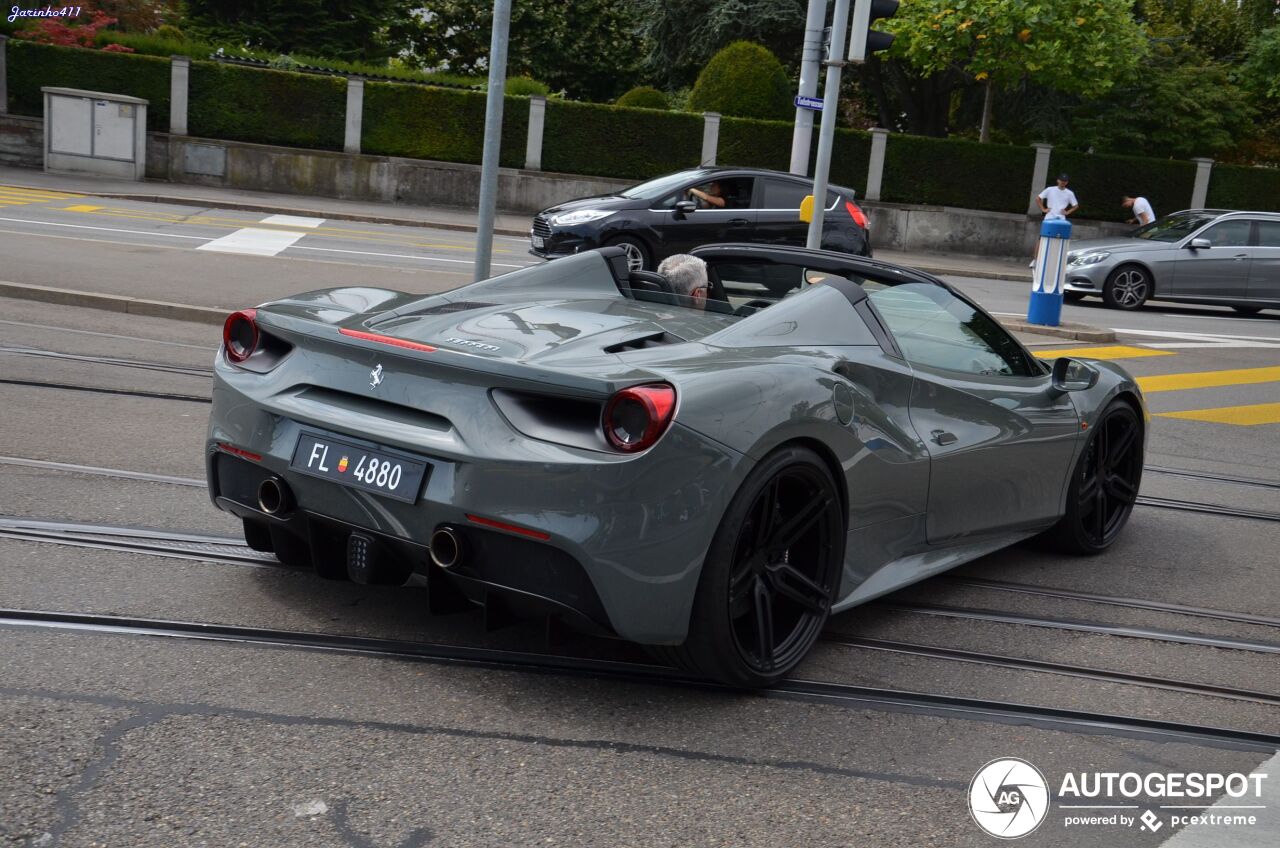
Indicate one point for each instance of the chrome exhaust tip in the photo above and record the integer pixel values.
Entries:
(273, 496)
(446, 547)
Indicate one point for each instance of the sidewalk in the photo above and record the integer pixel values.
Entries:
(445, 218)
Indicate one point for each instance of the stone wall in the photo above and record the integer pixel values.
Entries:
(21, 141)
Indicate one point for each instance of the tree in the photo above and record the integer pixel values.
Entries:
(588, 48)
(1079, 46)
(680, 36)
(744, 80)
(1180, 104)
(341, 29)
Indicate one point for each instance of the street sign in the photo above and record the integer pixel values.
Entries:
(814, 103)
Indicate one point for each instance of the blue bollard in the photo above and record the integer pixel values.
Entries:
(1050, 273)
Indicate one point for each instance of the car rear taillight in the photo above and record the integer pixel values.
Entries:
(636, 417)
(240, 335)
(856, 214)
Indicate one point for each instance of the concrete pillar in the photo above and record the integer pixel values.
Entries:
(179, 86)
(875, 165)
(537, 120)
(1039, 176)
(355, 114)
(4, 86)
(710, 137)
(1200, 192)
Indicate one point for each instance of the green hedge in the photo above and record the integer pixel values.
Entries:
(267, 107)
(951, 172)
(752, 143)
(607, 141)
(1239, 187)
(1100, 181)
(850, 155)
(445, 124)
(32, 65)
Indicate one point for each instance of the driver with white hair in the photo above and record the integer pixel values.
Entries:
(687, 276)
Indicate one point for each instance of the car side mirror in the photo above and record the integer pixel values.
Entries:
(1073, 375)
(1199, 244)
(684, 207)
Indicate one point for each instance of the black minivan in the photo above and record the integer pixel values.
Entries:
(678, 212)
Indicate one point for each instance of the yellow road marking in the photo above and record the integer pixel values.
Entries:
(37, 192)
(1262, 413)
(82, 208)
(222, 223)
(1112, 352)
(1208, 379)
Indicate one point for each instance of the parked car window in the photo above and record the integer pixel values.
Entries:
(935, 328)
(784, 194)
(1173, 228)
(1228, 234)
(1269, 233)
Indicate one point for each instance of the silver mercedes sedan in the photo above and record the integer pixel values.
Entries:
(1194, 256)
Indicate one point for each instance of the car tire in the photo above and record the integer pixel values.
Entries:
(1127, 287)
(638, 256)
(1247, 310)
(1104, 484)
(1073, 297)
(760, 607)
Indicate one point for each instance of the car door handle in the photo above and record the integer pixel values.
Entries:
(738, 222)
(942, 437)
(1240, 256)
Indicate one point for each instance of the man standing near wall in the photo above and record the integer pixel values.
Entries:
(1057, 202)
(1142, 211)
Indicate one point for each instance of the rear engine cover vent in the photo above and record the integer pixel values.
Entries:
(456, 306)
(643, 342)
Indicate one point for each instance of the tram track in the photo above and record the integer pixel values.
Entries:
(122, 362)
(834, 694)
(231, 550)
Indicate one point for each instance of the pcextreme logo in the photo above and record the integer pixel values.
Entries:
(1009, 798)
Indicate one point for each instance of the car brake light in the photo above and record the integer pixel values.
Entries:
(240, 334)
(856, 214)
(637, 416)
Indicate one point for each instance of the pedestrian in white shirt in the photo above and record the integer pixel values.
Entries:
(1142, 211)
(1056, 202)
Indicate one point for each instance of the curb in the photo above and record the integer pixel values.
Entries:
(309, 213)
(115, 303)
(1066, 330)
(1004, 276)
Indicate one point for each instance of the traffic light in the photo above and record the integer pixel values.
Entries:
(863, 39)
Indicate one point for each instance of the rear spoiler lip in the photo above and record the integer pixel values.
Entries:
(562, 379)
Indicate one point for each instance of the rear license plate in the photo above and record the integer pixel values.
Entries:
(383, 472)
(538, 242)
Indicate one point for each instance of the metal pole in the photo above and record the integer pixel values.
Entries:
(810, 68)
(830, 99)
(492, 136)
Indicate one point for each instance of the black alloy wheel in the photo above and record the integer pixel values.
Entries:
(771, 574)
(1128, 287)
(1104, 486)
(637, 253)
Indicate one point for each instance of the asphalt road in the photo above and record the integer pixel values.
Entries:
(115, 739)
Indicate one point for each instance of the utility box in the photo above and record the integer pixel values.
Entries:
(90, 132)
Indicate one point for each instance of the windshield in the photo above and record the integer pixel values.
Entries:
(661, 186)
(1173, 227)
